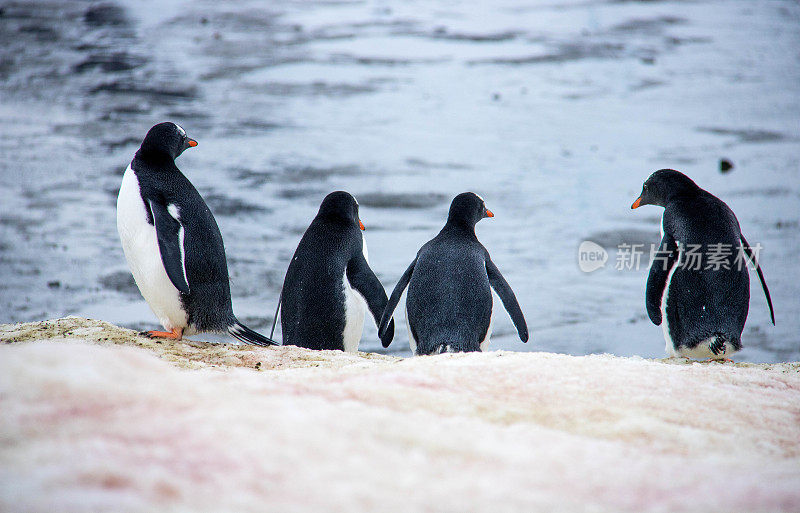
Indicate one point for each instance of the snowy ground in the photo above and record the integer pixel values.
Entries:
(97, 419)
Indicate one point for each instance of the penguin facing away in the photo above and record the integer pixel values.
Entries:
(449, 300)
(329, 284)
(172, 244)
(702, 308)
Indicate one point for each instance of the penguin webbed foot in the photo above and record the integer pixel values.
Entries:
(175, 334)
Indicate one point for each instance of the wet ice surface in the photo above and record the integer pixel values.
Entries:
(555, 112)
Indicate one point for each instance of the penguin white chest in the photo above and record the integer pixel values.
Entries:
(355, 307)
(140, 245)
(669, 344)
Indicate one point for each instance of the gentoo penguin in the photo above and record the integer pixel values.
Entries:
(329, 283)
(449, 302)
(699, 285)
(172, 243)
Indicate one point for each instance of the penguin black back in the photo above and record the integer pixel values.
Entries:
(449, 300)
(329, 283)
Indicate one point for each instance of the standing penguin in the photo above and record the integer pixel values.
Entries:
(449, 302)
(329, 284)
(172, 243)
(703, 305)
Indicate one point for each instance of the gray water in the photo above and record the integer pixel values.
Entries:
(555, 112)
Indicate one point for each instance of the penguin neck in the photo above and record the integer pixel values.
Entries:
(155, 159)
(683, 195)
(460, 226)
(334, 219)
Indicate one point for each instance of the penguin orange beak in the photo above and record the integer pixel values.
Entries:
(489, 213)
(636, 203)
(192, 143)
(361, 225)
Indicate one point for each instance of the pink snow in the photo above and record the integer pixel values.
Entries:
(88, 427)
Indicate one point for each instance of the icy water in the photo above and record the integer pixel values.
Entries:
(555, 112)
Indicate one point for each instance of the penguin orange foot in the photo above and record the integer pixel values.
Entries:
(175, 334)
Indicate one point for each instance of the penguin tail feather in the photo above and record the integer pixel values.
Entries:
(244, 334)
(717, 346)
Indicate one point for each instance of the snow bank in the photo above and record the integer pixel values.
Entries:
(97, 419)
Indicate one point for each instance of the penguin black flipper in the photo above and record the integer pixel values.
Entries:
(383, 332)
(507, 296)
(170, 239)
(752, 258)
(657, 279)
(361, 278)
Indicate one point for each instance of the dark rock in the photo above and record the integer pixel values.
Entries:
(223, 205)
(401, 200)
(120, 281)
(105, 15)
(725, 165)
(119, 61)
(747, 135)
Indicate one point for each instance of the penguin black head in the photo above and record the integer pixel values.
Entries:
(340, 205)
(467, 209)
(663, 186)
(166, 139)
